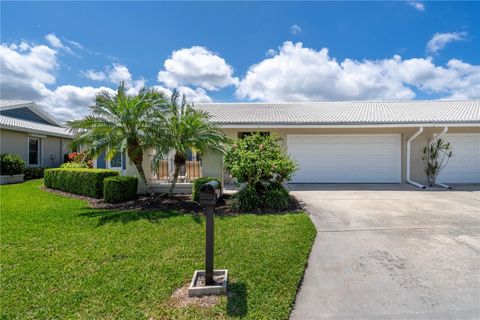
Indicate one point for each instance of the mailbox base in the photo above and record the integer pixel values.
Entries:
(196, 289)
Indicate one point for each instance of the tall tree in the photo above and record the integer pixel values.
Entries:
(120, 122)
(185, 129)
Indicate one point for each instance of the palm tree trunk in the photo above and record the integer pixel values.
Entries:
(136, 156)
(175, 178)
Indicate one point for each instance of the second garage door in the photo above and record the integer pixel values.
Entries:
(464, 166)
(346, 158)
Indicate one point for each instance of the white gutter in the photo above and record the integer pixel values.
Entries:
(420, 130)
(436, 136)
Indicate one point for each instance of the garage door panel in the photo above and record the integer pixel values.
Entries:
(464, 166)
(346, 158)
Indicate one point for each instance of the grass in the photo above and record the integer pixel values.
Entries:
(63, 260)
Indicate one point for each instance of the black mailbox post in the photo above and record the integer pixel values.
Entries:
(209, 194)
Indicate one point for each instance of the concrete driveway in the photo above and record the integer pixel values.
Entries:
(391, 252)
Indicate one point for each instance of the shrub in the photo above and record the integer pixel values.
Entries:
(80, 158)
(11, 164)
(435, 157)
(88, 182)
(74, 165)
(259, 161)
(276, 198)
(258, 158)
(261, 198)
(33, 173)
(120, 189)
(247, 199)
(197, 183)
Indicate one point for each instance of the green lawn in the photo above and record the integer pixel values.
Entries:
(60, 259)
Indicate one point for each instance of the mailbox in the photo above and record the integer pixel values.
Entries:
(209, 193)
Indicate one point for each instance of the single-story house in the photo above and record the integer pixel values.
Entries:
(27, 130)
(344, 142)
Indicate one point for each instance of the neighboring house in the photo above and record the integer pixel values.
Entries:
(27, 130)
(351, 142)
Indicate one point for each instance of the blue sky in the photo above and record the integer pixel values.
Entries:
(60, 54)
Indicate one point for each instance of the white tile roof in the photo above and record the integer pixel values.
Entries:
(346, 112)
(9, 103)
(34, 127)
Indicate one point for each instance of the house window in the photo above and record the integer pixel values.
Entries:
(33, 151)
(116, 161)
(242, 135)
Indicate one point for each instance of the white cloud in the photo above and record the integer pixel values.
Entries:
(440, 40)
(115, 74)
(295, 29)
(192, 95)
(196, 66)
(417, 5)
(271, 52)
(55, 42)
(70, 102)
(304, 74)
(95, 75)
(119, 73)
(28, 71)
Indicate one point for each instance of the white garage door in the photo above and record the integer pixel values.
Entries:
(346, 158)
(464, 166)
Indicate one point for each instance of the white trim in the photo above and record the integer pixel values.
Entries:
(39, 151)
(37, 136)
(342, 126)
(50, 133)
(409, 141)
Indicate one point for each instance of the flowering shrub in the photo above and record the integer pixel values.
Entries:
(260, 163)
(80, 157)
(258, 158)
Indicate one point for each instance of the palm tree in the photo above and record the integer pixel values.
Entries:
(120, 122)
(185, 129)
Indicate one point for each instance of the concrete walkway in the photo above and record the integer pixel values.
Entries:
(391, 252)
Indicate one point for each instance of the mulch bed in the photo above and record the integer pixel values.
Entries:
(177, 202)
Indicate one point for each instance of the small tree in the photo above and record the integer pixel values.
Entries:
(435, 158)
(184, 129)
(260, 162)
(120, 122)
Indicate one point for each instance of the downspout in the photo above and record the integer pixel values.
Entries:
(420, 130)
(436, 136)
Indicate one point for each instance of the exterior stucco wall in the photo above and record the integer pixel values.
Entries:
(17, 142)
(212, 165)
(416, 165)
(14, 142)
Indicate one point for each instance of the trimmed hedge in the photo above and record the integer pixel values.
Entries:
(34, 173)
(87, 182)
(197, 183)
(120, 189)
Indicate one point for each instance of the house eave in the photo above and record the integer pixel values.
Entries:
(271, 125)
(34, 131)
